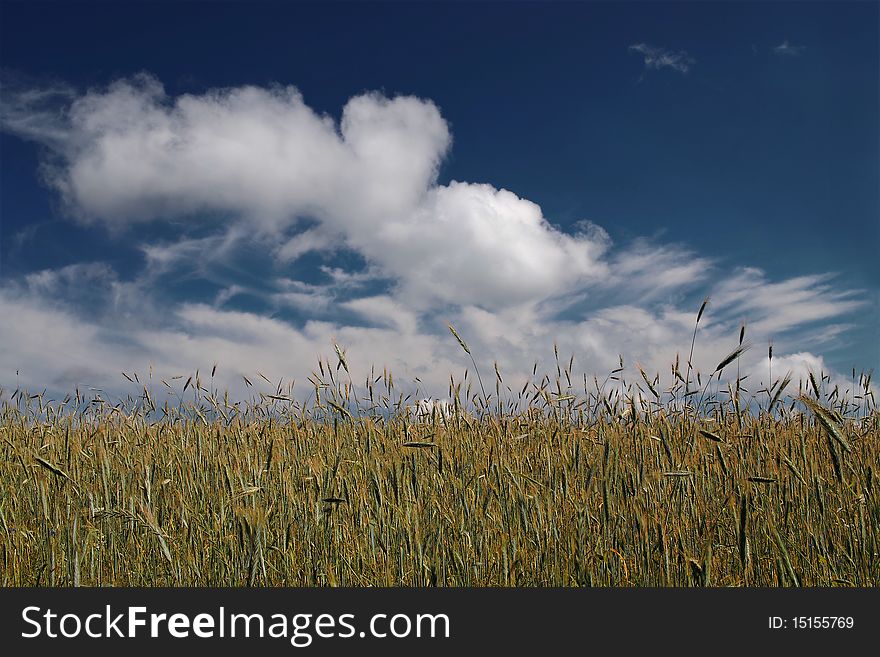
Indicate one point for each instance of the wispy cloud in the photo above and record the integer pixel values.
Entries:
(657, 58)
(788, 50)
(780, 306)
(313, 239)
(55, 343)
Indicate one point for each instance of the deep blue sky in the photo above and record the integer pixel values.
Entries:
(753, 157)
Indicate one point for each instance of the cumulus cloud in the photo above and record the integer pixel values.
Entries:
(471, 243)
(128, 154)
(656, 58)
(271, 171)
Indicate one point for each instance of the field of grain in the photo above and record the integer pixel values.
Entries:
(549, 485)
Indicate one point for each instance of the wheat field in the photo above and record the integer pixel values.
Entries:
(549, 485)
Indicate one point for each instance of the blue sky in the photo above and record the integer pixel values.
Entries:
(250, 184)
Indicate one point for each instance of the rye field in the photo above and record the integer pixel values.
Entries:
(558, 483)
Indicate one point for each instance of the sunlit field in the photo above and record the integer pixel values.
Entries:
(559, 483)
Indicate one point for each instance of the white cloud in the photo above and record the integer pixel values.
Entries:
(302, 296)
(56, 282)
(474, 244)
(260, 162)
(30, 110)
(776, 307)
(164, 257)
(132, 154)
(657, 58)
(788, 50)
(55, 345)
(384, 311)
(304, 242)
(227, 293)
(54, 348)
(653, 269)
